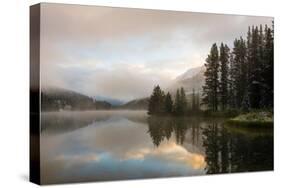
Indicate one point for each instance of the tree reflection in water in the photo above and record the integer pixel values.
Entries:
(226, 149)
(160, 128)
(229, 150)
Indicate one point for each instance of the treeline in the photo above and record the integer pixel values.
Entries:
(61, 99)
(242, 77)
(161, 103)
(65, 100)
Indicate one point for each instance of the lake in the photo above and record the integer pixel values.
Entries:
(119, 145)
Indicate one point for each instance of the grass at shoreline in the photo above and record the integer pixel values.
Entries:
(262, 118)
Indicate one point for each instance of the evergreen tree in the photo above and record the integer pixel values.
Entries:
(231, 90)
(239, 71)
(210, 89)
(156, 102)
(262, 65)
(193, 104)
(242, 79)
(180, 106)
(183, 101)
(246, 99)
(268, 73)
(177, 105)
(255, 70)
(168, 103)
(223, 87)
(197, 101)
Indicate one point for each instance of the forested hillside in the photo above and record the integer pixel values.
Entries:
(55, 99)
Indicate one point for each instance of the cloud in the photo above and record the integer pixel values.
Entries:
(169, 151)
(106, 23)
(123, 53)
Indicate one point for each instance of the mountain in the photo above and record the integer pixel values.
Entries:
(55, 99)
(113, 102)
(137, 104)
(190, 73)
(191, 79)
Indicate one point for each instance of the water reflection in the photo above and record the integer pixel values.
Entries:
(161, 128)
(226, 149)
(229, 150)
(100, 146)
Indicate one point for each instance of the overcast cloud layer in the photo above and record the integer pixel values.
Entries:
(122, 53)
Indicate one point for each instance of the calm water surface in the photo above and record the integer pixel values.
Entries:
(117, 145)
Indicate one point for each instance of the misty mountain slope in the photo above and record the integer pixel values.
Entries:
(191, 79)
(137, 104)
(190, 73)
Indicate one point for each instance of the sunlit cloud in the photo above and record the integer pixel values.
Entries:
(169, 151)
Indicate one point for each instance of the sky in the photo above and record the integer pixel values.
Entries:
(123, 53)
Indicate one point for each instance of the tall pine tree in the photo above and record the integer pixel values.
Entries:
(231, 80)
(255, 70)
(210, 89)
(183, 101)
(267, 71)
(193, 102)
(245, 75)
(224, 64)
(177, 105)
(239, 71)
